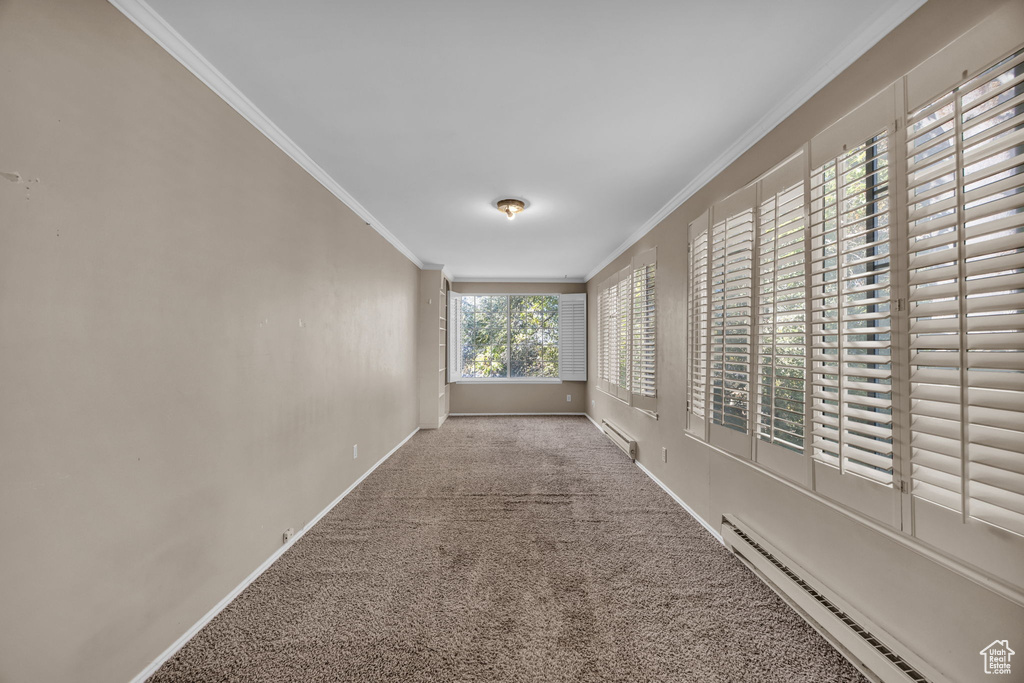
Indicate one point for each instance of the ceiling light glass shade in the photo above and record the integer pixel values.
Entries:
(510, 207)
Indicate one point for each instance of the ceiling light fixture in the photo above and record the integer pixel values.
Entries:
(510, 207)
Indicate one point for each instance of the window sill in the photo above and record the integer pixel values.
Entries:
(503, 380)
(613, 396)
(653, 414)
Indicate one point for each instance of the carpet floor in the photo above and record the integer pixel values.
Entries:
(515, 549)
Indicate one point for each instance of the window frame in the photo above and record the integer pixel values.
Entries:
(616, 331)
(563, 300)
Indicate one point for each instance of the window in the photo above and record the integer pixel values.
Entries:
(850, 299)
(872, 350)
(790, 341)
(644, 357)
(518, 337)
(697, 307)
(965, 167)
(732, 249)
(627, 333)
(613, 305)
(782, 317)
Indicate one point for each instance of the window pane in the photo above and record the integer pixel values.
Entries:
(534, 321)
(484, 342)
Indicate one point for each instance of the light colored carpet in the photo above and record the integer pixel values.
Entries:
(508, 549)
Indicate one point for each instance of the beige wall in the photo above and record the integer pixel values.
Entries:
(938, 613)
(518, 398)
(194, 335)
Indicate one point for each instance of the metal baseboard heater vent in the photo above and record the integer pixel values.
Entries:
(619, 438)
(862, 642)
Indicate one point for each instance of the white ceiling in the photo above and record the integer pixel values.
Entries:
(602, 115)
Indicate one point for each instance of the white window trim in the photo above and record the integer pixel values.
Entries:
(456, 327)
(510, 380)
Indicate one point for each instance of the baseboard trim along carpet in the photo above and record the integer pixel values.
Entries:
(711, 530)
(226, 600)
(510, 414)
(670, 492)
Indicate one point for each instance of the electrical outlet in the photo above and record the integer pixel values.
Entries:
(355, 451)
(568, 398)
(287, 535)
(593, 404)
(664, 454)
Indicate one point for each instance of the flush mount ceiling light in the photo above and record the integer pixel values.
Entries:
(510, 207)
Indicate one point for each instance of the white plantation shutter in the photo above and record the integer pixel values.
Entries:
(572, 337)
(643, 363)
(624, 295)
(852, 359)
(608, 323)
(731, 320)
(782, 317)
(965, 157)
(454, 337)
(815, 295)
(851, 295)
(602, 342)
(627, 333)
(697, 308)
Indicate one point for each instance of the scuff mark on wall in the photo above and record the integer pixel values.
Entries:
(15, 177)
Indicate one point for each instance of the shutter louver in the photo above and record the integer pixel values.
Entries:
(966, 267)
(782, 314)
(644, 341)
(851, 362)
(698, 317)
(731, 266)
(572, 337)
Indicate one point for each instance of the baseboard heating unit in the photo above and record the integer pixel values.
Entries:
(620, 439)
(873, 651)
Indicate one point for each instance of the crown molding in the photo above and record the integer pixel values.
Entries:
(153, 25)
(886, 21)
(544, 280)
(444, 270)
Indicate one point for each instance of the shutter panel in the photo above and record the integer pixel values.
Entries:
(572, 337)
(698, 325)
(851, 367)
(644, 357)
(966, 268)
(454, 337)
(624, 295)
(782, 317)
(608, 330)
(731, 324)
(602, 361)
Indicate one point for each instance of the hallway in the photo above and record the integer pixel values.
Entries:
(508, 549)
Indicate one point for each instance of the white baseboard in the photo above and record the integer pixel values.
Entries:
(666, 489)
(510, 414)
(208, 617)
(659, 482)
